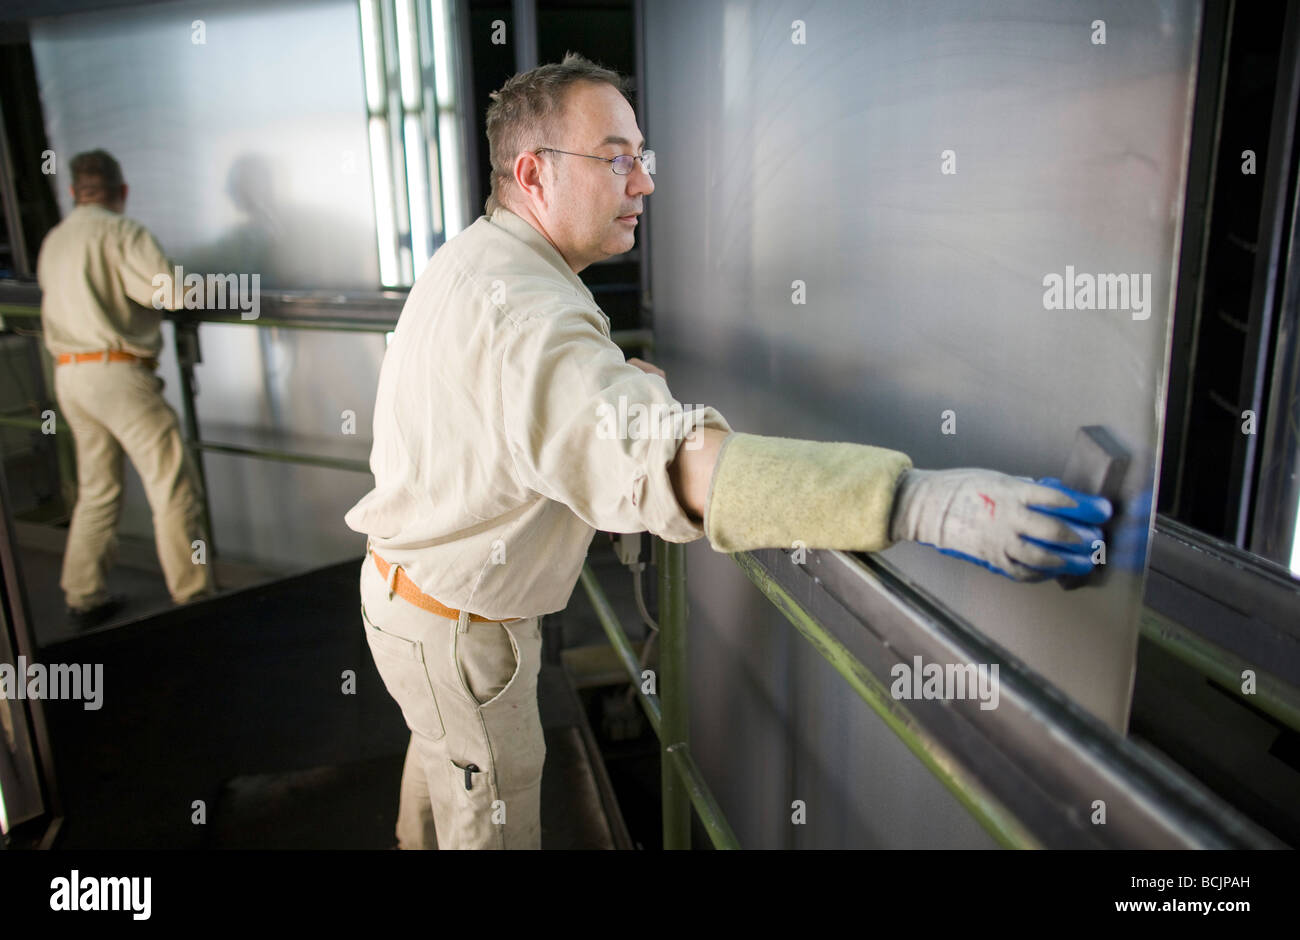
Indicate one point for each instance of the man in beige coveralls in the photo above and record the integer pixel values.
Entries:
(493, 467)
(96, 270)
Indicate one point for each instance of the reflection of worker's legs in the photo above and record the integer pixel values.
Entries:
(475, 758)
(151, 436)
(126, 399)
(92, 537)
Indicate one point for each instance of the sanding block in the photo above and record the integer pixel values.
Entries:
(1097, 464)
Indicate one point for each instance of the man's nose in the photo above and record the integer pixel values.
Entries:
(639, 181)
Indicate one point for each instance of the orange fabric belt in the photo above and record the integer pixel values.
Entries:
(406, 589)
(114, 355)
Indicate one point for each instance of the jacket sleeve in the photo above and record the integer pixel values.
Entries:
(588, 430)
(147, 275)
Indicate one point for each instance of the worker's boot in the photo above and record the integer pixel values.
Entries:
(85, 618)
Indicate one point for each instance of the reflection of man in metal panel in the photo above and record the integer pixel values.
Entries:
(496, 456)
(97, 272)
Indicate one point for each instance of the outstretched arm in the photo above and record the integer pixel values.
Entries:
(770, 492)
(692, 470)
(765, 492)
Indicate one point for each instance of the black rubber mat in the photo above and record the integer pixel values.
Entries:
(257, 719)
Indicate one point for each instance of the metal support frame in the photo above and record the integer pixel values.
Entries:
(187, 356)
(1026, 774)
(1037, 756)
(1270, 269)
(34, 771)
(674, 732)
(683, 783)
(9, 195)
(1272, 695)
(469, 140)
(647, 215)
(1030, 772)
(368, 312)
(1198, 209)
(1230, 607)
(524, 14)
(1277, 495)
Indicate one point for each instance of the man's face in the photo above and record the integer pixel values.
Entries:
(587, 204)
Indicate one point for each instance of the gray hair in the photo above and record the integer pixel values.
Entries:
(527, 114)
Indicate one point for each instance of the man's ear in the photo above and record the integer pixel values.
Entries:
(528, 176)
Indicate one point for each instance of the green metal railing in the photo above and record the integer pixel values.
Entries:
(683, 783)
(996, 819)
(666, 707)
(1272, 695)
(186, 343)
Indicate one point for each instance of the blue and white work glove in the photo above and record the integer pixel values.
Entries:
(1025, 530)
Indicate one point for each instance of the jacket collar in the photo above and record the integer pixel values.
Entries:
(535, 240)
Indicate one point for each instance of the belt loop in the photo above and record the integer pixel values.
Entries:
(392, 580)
(462, 623)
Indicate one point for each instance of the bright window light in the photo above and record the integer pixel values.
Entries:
(449, 168)
(417, 192)
(372, 55)
(385, 225)
(408, 60)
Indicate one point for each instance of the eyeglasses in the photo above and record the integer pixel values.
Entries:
(621, 165)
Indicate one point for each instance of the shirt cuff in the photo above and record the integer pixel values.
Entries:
(662, 513)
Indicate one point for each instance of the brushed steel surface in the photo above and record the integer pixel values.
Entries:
(247, 153)
(925, 293)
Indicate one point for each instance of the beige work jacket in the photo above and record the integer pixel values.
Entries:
(96, 270)
(509, 427)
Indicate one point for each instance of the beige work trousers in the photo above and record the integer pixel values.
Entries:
(468, 692)
(116, 407)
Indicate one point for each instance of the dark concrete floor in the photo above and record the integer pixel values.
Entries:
(137, 576)
(145, 592)
(234, 704)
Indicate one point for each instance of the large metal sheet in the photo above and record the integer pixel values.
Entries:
(823, 162)
(246, 152)
(243, 139)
